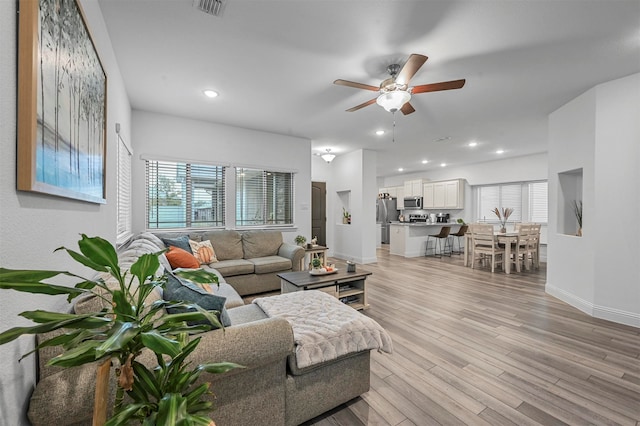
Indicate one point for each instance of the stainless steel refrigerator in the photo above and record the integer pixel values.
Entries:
(387, 212)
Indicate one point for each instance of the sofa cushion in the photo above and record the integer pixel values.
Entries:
(227, 244)
(246, 313)
(179, 258)
(229, 268)
(203, 251)
(261, 243)
(180, 241)
(178, 289)
(268, 264)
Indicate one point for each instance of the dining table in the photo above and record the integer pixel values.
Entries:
(506, 238)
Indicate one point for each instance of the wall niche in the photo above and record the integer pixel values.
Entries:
(570, 193)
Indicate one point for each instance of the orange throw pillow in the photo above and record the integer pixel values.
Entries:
(179, 258)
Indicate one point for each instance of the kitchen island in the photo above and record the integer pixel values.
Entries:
(410, 239)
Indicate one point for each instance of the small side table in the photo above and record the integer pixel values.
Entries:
(317, 252)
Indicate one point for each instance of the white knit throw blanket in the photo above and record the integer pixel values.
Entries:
(323, 327)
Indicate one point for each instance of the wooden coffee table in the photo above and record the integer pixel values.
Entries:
(349, 287)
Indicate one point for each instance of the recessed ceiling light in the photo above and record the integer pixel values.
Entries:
(210, 93)
(443, 164)
(500, 151)
(424, 161)
(379, 132)
(401, 169)
(472, 144)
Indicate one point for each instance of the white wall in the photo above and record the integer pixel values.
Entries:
(598, 132)
(517, 169)
(160, 136)
(33, 225)
(352, 173)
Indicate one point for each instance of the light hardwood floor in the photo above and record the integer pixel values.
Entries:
(476, 348)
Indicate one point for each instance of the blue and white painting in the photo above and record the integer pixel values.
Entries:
(71, 104)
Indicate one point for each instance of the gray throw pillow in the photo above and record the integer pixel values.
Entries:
(178, 289)
(181, 242)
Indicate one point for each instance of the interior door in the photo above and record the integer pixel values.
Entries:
(319, 212)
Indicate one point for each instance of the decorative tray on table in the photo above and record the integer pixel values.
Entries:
(318, 272)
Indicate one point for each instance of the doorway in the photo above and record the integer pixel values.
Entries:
(319, 212)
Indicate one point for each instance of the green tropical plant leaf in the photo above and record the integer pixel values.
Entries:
(21, 275)
(79, 321)
(145, 267)
(199, 276)
(160, 344)
(26, 284)
(123, 308)
(194, 395)
(84, 260)
(147, 380)
(219, 367)
(125, 415)
(121, 335)
(172, 409)
(101, 252)
(84, 353)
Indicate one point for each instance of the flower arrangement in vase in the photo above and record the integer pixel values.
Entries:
(577, 210)
(503, 217)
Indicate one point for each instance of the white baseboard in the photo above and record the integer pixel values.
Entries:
(360, 260)
(602, 312)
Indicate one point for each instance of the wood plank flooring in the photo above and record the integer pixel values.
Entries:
(476, 348)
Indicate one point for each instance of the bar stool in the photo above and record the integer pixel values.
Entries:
(460, 234)
(444, 234)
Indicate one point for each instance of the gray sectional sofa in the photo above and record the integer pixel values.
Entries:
(249, 260)
(270, 390)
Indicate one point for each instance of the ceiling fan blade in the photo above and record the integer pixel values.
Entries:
(410, 68)
(356, 85)
(407, 109)
(436, 87)
(357, 107)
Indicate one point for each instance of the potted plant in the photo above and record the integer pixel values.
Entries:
(300, 240)
(346, 217)
(120, 332)
(577, 210)
(503, 217)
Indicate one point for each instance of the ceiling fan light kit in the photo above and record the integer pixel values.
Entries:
(395, 92)
(328, 156)
(393, 101)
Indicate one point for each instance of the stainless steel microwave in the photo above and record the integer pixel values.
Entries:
(413, 203)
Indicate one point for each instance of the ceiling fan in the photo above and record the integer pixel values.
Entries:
(395, 91)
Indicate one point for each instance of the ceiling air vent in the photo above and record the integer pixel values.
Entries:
(212, 7)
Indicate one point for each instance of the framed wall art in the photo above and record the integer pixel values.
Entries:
(62, 103)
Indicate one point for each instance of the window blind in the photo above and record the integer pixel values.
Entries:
(124, 227)
(184, 195)
(538, 202)
(263, 197)
(500, 196)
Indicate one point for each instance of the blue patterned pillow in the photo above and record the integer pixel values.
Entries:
(178, 289)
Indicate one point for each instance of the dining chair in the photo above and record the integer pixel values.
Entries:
(443, 235)
(485, 244)
(458, 236)
(521, 250)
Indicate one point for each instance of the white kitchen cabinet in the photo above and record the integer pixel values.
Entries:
(443, 195)
(400, 200)
(427, 196)
(413, 188)
(393, 191)
(452, 199)
(438, 195)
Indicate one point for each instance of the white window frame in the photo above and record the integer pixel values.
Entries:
(124, 228)
(260, 216)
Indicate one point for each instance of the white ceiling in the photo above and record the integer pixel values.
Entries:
(274, 62)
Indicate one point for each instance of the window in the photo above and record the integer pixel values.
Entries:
(124, 231)
(263, 197)
(500, 196)
(184, 195)
(528, 199)
(538, 202)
